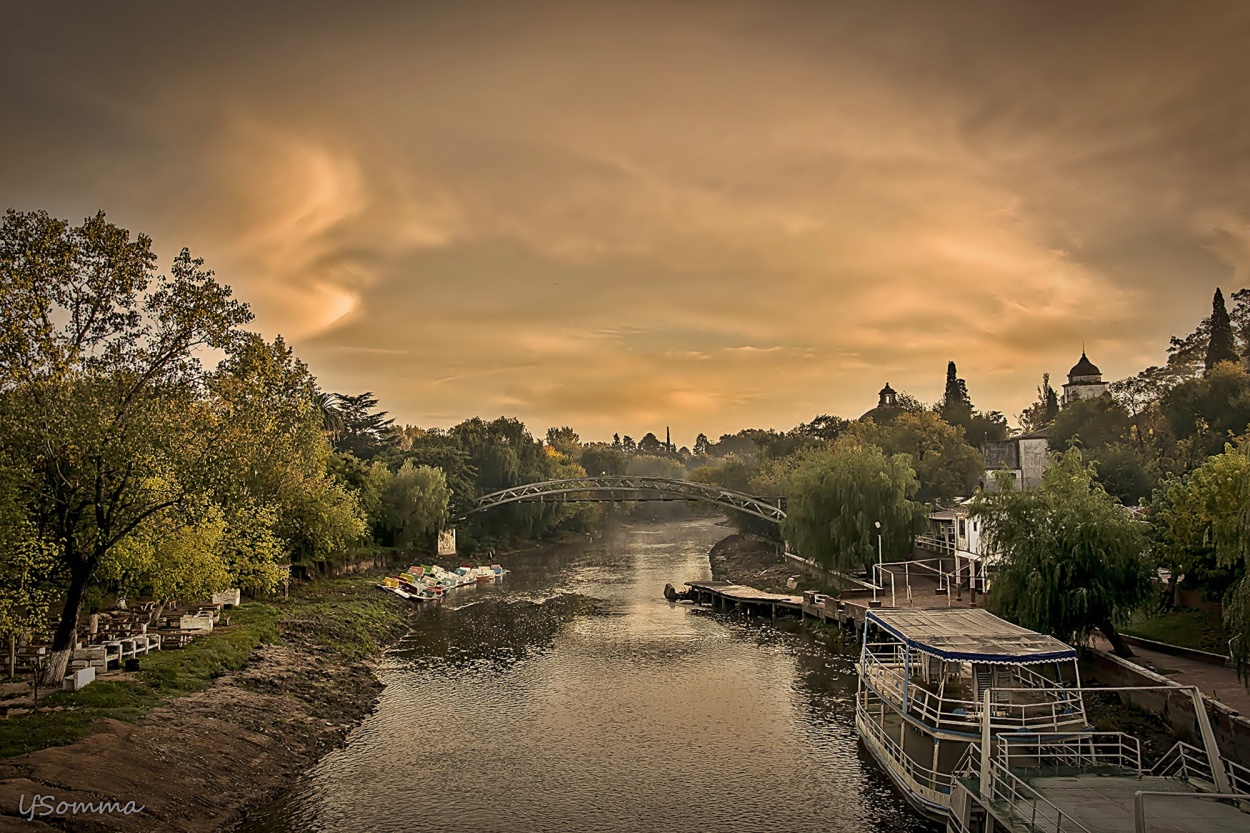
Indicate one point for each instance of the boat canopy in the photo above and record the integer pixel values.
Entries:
(970, 635)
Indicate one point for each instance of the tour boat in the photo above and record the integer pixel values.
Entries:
(927, 679)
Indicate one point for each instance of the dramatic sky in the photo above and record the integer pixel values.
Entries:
(625, 215)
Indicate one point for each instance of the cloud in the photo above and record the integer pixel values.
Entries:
(613, 215)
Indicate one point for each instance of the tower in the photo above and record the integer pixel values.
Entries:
(1084, 382)
(888, 398)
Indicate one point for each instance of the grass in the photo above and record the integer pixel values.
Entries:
(1200, 629)
(345, 616)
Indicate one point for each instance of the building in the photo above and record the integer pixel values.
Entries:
(1024, 457)
(887, 406)
(1084, 382)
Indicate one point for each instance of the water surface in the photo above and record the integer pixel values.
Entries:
(573, 697)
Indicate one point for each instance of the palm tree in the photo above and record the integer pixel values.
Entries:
(330, 405)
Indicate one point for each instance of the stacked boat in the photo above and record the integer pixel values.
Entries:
(428, 583)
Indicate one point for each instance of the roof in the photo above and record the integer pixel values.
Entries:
(970, 635)
(885, 390)
(1039, 434)
(1084, 368)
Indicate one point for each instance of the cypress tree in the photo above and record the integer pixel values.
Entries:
(1221, 347)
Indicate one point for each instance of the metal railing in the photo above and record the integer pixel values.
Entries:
(1059, 708)
(1057, 750)
(930, 779)
(1015, 799)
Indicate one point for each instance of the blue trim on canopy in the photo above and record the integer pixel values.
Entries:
(968, 656)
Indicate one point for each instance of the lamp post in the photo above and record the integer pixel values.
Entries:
(877, 524)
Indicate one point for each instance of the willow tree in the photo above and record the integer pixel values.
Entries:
(101, 415)
(838, 496)
(1072, 558)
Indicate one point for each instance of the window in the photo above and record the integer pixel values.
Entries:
(962, 529)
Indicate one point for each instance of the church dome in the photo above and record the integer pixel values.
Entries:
(1084, 368)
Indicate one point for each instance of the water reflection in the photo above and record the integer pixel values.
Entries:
(572, 696)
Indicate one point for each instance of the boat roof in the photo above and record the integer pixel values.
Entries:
(970, 635)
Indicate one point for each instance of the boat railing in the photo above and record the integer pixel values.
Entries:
(1059, 707)
(930, 779)
(1013, 797)
(1037, 751)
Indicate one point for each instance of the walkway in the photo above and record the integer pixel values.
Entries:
(1215, 681)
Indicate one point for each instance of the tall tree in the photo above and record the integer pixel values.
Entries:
(956, 405)
(366, 430)
(1221, 347)
(100, 378)
(701, 444)
(1072, 558)
(1041, 412)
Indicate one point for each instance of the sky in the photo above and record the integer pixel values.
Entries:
(622, 216)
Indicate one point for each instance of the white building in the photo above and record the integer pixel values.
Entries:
(1024, 457)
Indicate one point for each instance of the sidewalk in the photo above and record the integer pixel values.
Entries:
(1215, 681)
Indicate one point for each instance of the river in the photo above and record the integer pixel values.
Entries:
(572, 697)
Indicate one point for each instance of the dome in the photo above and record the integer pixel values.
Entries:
(885, 390)
(1084, 368)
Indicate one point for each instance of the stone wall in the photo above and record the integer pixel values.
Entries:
(1174, 704)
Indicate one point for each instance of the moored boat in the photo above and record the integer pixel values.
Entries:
(929, 678)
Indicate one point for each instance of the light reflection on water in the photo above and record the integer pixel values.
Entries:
(573, 697)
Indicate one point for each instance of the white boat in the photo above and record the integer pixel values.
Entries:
(927, 678)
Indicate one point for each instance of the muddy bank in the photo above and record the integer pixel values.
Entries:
(199, 762)
(748, 559)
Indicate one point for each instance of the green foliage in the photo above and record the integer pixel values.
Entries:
(838, 494)
(1091, 424)
(1204, 414)
(100, 416)
(946, 466)
(600, 458)
(1202, 630)
(1122, 470)
(415, 504)
(1072, 558)
(566, 441)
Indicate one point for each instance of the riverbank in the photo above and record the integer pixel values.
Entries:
(201, 735)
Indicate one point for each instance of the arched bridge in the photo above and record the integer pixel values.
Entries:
(613, 489)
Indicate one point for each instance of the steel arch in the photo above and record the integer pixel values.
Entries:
(611, 488)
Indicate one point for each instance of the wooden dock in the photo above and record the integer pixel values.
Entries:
(849, 609)
(727, 596)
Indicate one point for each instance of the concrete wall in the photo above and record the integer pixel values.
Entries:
(1034, 457)
(1174, 705)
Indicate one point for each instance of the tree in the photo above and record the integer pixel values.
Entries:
(956, 405)
(599, 458)
(366, 430)
(1041, 412)
(1072, 558)
(1205, 414)
(825, 427)
(1122, 470)
(1227, 507)
(1221, 347)
(1241, 322)
(946, 466)
(99, 377)
(415, 505)
(616, 441)
(650, 444)
(701, 444)
(1090, 423)
(273, 453)
(628, 444)
(1185, 513)
(566, 441)
(837, 496)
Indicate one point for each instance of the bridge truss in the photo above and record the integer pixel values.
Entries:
(614, 489)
